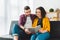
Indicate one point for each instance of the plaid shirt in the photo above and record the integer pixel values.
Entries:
(23, 17)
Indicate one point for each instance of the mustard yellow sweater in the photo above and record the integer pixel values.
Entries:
(45, 22)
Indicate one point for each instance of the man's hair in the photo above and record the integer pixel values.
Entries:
(26, 7)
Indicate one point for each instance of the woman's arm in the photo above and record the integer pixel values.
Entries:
(46, 26)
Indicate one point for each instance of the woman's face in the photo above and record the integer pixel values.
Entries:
(38, 12)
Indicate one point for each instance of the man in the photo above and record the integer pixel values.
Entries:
(22, 32)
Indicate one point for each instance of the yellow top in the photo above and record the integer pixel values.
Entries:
(45, 22)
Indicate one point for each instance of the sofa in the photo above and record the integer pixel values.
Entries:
(54, 34)
(55, 30)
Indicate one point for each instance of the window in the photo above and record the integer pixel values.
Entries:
(14, 8)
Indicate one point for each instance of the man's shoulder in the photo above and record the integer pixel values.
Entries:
(22, 15)
(33, 14)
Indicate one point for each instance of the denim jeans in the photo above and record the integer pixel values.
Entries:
(40, 36)
(20, 33)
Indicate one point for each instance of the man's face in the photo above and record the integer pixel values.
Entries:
(27, 12)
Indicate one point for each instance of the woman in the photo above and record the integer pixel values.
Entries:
(41, 19)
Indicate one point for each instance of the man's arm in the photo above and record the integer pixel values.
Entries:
(20, 22)
(22, 27)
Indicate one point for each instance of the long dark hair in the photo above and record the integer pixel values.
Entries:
(43, 12)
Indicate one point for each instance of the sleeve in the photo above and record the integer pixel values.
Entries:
(34, 16)
(20, 22)
(47, 25)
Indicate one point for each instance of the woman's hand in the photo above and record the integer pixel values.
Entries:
(42, 31)
(27, 31)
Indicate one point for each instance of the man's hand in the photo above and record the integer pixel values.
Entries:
(27, 31)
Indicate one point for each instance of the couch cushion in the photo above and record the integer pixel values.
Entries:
(55, 29)
(54, 39)
(12, 25)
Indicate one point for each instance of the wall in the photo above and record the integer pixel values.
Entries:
(2, 17)
(47, 4)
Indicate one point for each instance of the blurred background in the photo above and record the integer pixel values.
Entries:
(11, 10)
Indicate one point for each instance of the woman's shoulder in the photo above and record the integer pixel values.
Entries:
(46, 18)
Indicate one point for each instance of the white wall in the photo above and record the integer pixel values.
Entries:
(2, 17)
(14, 10)
(47, 4)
